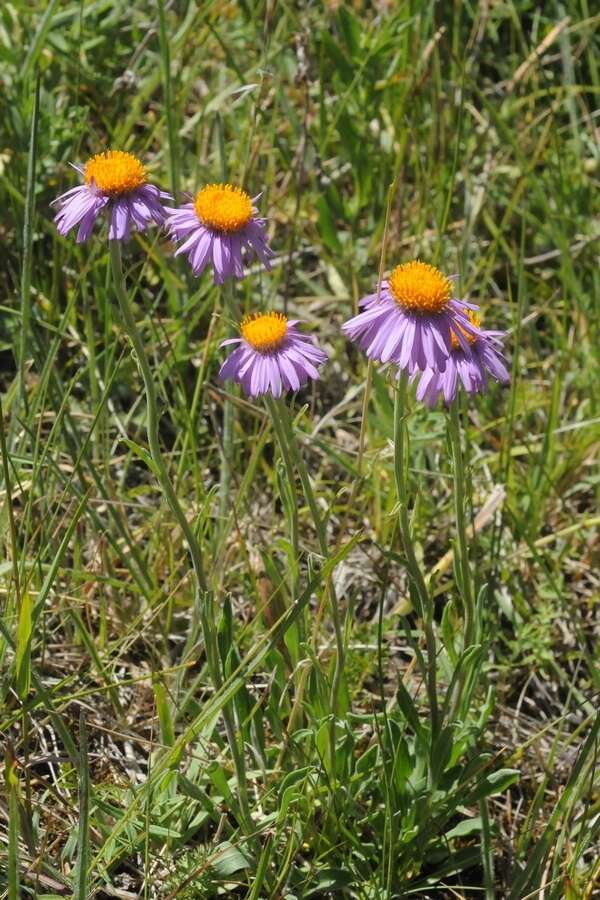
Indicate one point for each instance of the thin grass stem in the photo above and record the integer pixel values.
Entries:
(28, 242)
(12, 859)
(165, 59)
(14, 550)
(83, 831)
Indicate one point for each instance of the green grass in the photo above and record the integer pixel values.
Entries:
(118, 777)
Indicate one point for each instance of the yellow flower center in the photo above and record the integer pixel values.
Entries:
(264, 331)
(420, 288)
(115, 172)
(223, 207)
(475, 320)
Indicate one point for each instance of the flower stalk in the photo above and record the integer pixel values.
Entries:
(463, 567)
(204, 600)
(421, 593)
(152, 422)
(293, 458)
(228, 305)
(291, 478)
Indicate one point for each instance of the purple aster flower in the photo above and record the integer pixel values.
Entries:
(116, 181)
(218, 228)
(409, 322)
(469, 368)
(272, 356)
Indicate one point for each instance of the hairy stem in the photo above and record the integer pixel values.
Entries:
(152, 421)
(291, 476)
(415, 574)
(204, 600)
(285, 433)
(464, 568)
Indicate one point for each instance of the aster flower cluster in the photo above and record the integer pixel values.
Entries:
(412, 321)
(467, 365)
(116, 183)
(216, 228)
(415, 322)
(273, 356)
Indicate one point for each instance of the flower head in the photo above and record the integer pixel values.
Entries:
(219, 226)
(273, 356)
(115, 181)
(409, 322)
(470, 368)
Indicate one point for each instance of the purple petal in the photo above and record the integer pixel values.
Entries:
(119, 223)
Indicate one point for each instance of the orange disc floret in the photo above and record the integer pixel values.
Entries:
(115, 172)
(475, 320)
(420, 288)
(223, 207)
(264, 332)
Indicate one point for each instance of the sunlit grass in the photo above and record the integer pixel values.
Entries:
(484, 121)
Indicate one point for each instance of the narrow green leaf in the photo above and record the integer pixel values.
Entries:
(12, 788)
(327, 226)
(23, 653)
(167, 729)
(408, 709)
(495, 783)
(82, 891)
(28, 219)
(142, 454)
(36, 45)
(330, 880)
(464, 829)
(228, 859)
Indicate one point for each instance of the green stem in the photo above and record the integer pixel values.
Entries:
(284, 429)
(204, 603)
(291, 476)
(152, 414)
(415, 574)
(464, 568)
(228, 424)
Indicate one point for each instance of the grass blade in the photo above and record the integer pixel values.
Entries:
(12, 789)
(81, 891)
(28, 237)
